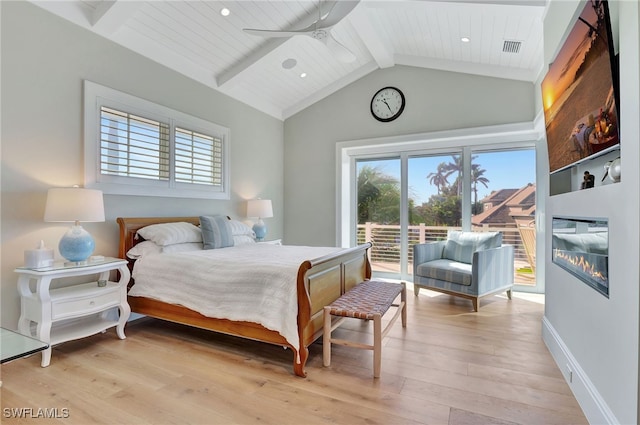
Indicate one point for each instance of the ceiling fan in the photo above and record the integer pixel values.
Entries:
(329, 14)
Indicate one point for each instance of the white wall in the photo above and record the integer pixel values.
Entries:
(594, 336)
(44, 61)
(435, 100)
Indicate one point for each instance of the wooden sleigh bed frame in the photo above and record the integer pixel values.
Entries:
(320, 281)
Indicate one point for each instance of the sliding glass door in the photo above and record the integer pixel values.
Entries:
(434, 193)
(417, 197)
(378, 211)
(503, 192)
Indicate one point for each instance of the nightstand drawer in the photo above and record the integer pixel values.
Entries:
(82, 306)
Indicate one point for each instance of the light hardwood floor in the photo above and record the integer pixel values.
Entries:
(449, 366)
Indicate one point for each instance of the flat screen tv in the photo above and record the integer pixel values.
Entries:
(580, 92)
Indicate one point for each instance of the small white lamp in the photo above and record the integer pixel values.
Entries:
(75, 204)
(260, 208)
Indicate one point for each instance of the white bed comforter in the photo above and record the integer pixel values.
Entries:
(253, 283)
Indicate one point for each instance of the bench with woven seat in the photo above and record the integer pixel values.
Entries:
(368, 300)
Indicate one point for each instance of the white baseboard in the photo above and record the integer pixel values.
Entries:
(593, 405)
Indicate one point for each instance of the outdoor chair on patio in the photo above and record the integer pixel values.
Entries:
(471, 265)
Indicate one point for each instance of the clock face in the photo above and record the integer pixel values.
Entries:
(387, 104)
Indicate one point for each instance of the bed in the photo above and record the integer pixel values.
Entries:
(318, 282)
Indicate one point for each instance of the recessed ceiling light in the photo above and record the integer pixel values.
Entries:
(289, 63)
(224, 11)
(303, 75)
(465, 39)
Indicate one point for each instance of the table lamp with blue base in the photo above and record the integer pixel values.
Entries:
(260, 208)
(77, 244)
(260, 229)
(75, 204)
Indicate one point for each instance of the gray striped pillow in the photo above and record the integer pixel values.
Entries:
(216, 231)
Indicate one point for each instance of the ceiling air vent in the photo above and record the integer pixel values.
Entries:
(511, 46)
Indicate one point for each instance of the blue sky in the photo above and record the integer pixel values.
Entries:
(504, 170)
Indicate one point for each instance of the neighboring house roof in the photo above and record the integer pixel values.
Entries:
(518, 205)
(498, 196)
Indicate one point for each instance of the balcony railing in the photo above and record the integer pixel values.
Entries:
(385, 252)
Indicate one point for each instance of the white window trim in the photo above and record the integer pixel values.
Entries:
(96, 96)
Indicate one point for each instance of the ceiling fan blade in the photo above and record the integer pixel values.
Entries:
(339, 50)
(274, 33)
(339, 9)
(329, 14)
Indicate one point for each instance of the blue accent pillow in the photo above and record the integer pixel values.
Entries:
(460, 246)
(216, 231)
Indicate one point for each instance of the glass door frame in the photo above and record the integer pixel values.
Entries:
(462, 142)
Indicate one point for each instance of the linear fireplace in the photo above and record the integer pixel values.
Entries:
(581, 247)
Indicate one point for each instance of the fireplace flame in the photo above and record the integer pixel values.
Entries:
(583, 265)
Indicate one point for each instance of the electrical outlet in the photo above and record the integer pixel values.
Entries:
(569, 373)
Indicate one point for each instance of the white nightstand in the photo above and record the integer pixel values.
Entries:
(272, 242)
(75, 311)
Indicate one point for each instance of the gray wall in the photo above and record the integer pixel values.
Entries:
(597, 337)
(44, 61)
(435, 100)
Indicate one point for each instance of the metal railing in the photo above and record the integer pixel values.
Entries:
(386, 243)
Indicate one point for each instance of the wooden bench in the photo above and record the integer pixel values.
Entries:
(368, 300)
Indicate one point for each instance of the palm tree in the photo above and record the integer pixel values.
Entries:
(378, 195)
(438, 178)
(455, 167)
(477, 177)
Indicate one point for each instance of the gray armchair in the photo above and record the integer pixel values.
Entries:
(468, 264)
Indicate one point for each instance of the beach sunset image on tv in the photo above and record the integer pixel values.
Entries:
(578, 92)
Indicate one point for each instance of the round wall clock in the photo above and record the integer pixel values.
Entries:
(387, 104)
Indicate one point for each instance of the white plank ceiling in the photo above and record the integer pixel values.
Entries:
(193, 38)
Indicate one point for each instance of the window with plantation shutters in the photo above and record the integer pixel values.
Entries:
(198, 158)
(133, 146)
(136, 147)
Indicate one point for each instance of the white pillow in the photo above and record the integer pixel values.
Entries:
(183, 247)
(171, 233)
(149, 248)
(239, 228)
(243, 240)
(144, 248)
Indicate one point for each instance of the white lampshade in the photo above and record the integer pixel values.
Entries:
(260, 208)
(73, 204)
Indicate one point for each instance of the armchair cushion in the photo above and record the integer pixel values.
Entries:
(448, 270)
(460, 246)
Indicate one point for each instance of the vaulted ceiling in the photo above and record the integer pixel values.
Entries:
(195, 39)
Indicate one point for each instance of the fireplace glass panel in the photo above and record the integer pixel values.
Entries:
(581, 247)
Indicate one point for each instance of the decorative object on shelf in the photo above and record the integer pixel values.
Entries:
(75, 204)
(612, 169)
(39, 257)
(588, 180)
(387, 104)
(260, 208)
